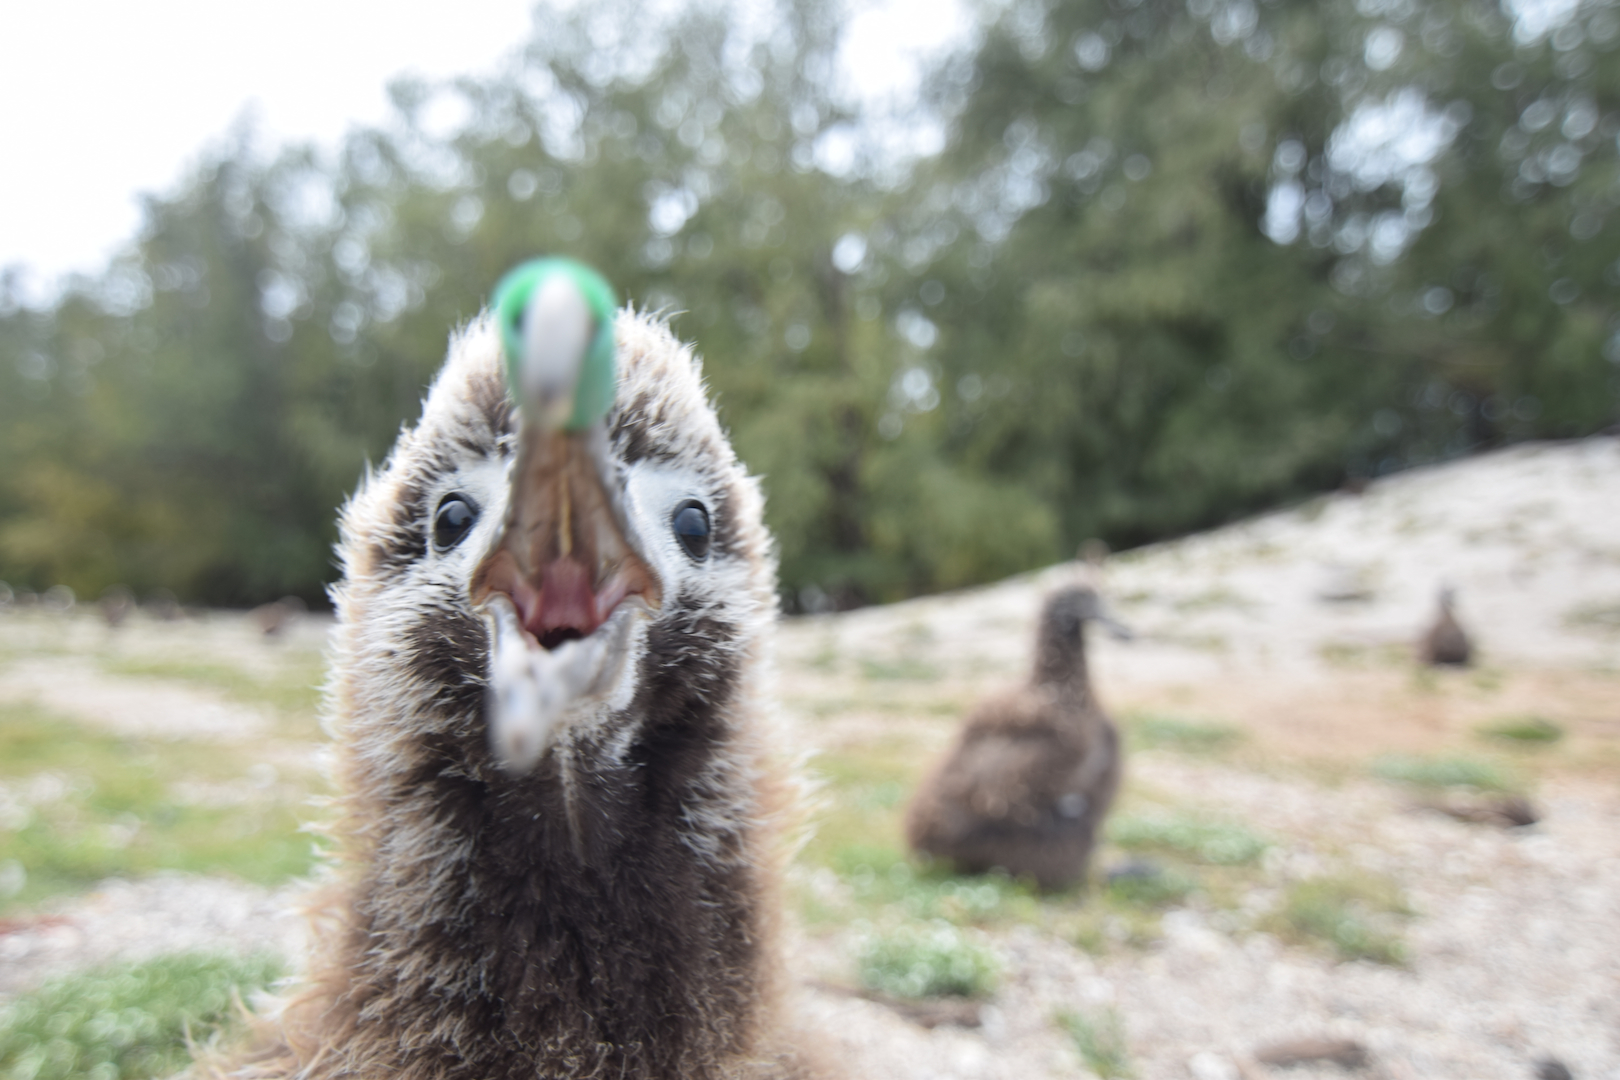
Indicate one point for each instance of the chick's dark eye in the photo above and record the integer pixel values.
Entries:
(692, 528)
(452, 521)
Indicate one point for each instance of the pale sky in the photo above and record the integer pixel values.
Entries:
(107, 99)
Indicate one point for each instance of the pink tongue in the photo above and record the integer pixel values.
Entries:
(566, 601)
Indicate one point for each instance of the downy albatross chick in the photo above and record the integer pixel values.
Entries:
(559, 794)
(1034, 771)
(1446, 642)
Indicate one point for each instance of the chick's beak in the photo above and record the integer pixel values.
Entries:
(562, 590)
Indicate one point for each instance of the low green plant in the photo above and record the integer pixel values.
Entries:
(1221, 843)
(1443, 772)
(294, 687)
(126, 1022)
(884, 882)
(1523, 729)
(900, 668)
(1357, 915)
(1212, 599)
(926, 960)
(1153, 731)
(1155, 887)
(1101, 1041)
(1595, 615)
(85, 804)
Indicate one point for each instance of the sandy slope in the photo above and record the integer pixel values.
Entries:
(1530, 537)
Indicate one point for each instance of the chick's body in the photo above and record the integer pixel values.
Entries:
(1033, 772)
(606, 905)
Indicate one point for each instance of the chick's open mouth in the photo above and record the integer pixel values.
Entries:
(562, 558)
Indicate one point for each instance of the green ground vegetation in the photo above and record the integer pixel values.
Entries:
(900, 668)
(1595, 615)
(1150, 886)
(128, 1022)
(921, 960)
(1160, 731)
(85, 804)
(292, 687)
(1358, 915)
(1445, 771)
(1200, 837)
(1099, 1036)
(1523, 731)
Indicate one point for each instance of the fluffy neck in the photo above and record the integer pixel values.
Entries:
(1060, 657)
(602, 917)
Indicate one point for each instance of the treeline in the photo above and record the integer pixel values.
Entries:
(1176, 260)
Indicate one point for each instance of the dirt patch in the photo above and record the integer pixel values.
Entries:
(150, 708)
(128, 921)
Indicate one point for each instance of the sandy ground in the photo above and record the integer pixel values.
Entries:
(1515, 955)
(162, 710)
(1296, 627)
(127, 921)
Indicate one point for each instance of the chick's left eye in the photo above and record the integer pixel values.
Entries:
(452, 521)
(692, 528)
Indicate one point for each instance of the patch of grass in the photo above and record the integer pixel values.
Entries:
(1443, 772)
(1156, 887)
(1197, 837)
(126, 1022)
(296, 688)
(1313, 508)
(917, 632)
(823, 707)
(826, 655)
(1357, 915)
(1207, 642)
(1154, 730)
(986, 898)
(931, 960)
(1524, 730)
(1213, 598)
(1101, 1041)
(1342, 653)
(1595, 615)
(904, 667)
(80, 805)
(1355, 654)
(1105, 922)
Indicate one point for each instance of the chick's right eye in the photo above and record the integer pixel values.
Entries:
(452, 521)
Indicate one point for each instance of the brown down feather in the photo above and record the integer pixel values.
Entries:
(1033, 771)
(615, 912)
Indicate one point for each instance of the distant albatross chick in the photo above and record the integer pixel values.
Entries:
(1446, 642)
(1034, 771)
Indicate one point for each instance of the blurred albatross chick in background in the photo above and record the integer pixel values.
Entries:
(1034, 771)
(1446, 642)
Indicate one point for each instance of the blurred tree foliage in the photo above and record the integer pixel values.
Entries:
(1175, 261)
